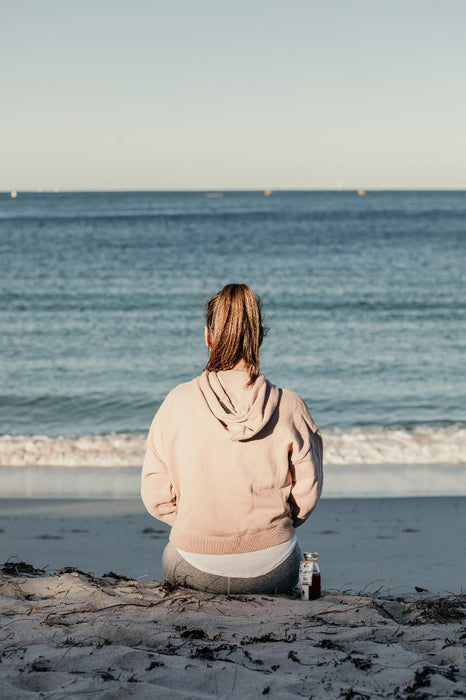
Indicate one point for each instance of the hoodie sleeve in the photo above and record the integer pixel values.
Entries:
(305, 465)
(157, 491)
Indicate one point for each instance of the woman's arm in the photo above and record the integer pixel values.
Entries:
(306, 466)
(157, 491)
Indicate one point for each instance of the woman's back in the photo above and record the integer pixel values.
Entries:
(233, 463)
(229, 464)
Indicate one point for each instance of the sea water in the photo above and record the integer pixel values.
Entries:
(101, 314)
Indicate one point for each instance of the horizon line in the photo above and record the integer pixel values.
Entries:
(58, 190)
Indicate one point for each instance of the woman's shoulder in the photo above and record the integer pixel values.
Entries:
(292, 400)
(180, 392)
(288, 397)
(296, 411)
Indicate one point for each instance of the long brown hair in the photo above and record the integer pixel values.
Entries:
(236, 331)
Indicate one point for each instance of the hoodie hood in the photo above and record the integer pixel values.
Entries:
(241, 411)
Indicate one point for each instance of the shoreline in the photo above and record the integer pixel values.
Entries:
(341, 481)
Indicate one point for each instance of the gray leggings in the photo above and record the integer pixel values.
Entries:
(282, 579)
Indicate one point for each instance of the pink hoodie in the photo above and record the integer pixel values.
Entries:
(231, 468)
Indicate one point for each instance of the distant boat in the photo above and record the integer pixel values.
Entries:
(361, 192)
(13, 194)
(268, 193)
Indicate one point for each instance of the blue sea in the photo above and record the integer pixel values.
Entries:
(101, 314)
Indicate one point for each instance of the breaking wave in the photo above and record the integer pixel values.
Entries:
(354, 446)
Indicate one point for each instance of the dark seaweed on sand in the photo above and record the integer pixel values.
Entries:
(20, 568)
(209, 653)
(442, 610)
(269, 637)
(167, 587)
(117, 577)
(194, 634)
(422, 680)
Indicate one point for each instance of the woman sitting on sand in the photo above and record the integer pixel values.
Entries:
(233, 463)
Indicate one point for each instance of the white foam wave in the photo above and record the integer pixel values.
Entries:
(355, 446)
(424, 445)
(112, 450)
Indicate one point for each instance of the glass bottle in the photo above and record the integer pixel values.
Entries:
(309, 577)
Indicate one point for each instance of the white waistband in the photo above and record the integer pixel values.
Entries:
(245, 565)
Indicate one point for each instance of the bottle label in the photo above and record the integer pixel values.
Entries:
(305, 579)
(305, 591)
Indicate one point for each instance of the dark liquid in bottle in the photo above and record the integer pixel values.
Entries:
(314, 588)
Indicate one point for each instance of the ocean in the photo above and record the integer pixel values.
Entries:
(101, 314)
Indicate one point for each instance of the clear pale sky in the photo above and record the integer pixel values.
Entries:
(210, 94)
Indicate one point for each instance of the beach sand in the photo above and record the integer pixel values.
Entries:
(74, 635)
(78, 634)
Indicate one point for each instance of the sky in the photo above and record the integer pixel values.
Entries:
(210, 94)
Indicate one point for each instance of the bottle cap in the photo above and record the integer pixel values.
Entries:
(310, 555)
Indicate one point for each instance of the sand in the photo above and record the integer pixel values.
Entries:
(75, 635)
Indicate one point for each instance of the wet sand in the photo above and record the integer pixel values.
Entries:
(390, 545)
